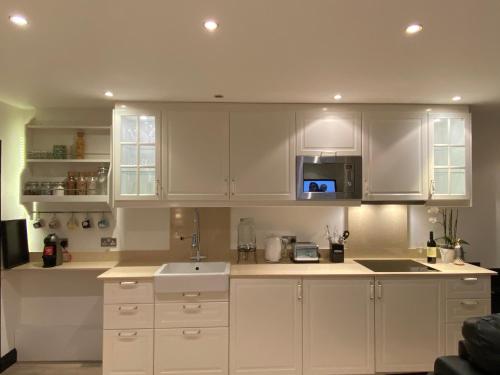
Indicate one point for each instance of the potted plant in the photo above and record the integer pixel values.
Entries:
(448, 219)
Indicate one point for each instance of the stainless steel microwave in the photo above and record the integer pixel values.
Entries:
(329, 177)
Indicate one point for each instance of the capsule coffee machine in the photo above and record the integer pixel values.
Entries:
(52, 251)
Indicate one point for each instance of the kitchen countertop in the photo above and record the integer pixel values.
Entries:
(348, 268)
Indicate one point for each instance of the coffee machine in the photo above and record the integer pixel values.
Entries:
(52, 251)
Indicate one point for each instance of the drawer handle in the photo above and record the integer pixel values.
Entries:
(127, 334)
(128, 308)
(191, 332)
(196, 294)
(469, 279)
(191, 307)
(128, 283)
(469, 303)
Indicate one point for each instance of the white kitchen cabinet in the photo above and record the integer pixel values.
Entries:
(262, 155)
(137, 154)
(338, 326)
(409, 323)
(450, 156)
(191, 351)
(323, 132)
(395, 161)
(265, 326)
(198, 155)
(128, 352)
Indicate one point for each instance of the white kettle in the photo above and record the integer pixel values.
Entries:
(273, 249)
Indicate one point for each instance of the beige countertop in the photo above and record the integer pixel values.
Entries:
(348, 268)
(69, 266)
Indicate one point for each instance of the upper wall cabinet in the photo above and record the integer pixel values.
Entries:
(262, 154)
(395, 156)
(450, 156)
(198, 155)
(137, 154)
(328, 132)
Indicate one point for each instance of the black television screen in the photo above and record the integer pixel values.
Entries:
(14, 243)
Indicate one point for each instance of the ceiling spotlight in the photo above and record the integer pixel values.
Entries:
(456, 98)
(428, 110)
(337, 97)
(324, 109)
(18, 20)
(210, 25)
(414, 28)
(218, 96)
(109, 94)
(123, 106)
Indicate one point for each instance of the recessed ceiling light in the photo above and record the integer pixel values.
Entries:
(18, 20)
(456, 98)
(218, 96)
(210, 25)
(337, 97)
(324, 109)
(428, 110)
(414, 28)
(123, 106)
(109, 94)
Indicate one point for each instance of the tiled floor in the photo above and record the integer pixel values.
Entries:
(31, 368)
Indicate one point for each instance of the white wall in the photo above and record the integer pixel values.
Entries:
(12, 135)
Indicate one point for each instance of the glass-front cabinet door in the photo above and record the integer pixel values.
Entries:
(450, 156)
(137, 154)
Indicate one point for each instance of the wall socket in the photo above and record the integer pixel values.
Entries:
(108, 242)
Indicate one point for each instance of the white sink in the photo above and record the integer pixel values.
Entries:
(192, 277)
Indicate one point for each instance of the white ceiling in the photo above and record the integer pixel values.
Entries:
(264, 51)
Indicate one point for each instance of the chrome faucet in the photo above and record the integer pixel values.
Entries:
(196, 238)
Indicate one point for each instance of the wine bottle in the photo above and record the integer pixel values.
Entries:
(431, 249)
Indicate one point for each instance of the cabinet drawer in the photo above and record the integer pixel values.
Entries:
(128, 316)
(191, 351)
(128, 291)
(128, 352)
(469, 287)
(192, 297)
(460, 309)
(453, 336)
(178, 315)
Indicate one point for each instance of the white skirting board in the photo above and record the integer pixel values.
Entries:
(58, 343)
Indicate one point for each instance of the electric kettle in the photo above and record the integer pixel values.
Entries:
(272, 252)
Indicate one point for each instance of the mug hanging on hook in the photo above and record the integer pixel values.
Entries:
(54, 222)
(37, 221)
(86, 223)
(103, 222)
(72, 222)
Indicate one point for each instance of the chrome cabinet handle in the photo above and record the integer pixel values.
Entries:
(128, 308)
(372, 291)
(366, 188)
(469, 303)
(191, 332)
(299, 291)
(469, 278)
(433, 187)
(191, 307)
(124, 284)
(158, 188)
(233, 186)
(127, 334)
(379, 290)
(195, 294)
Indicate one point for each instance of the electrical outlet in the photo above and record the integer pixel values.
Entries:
(108, 242)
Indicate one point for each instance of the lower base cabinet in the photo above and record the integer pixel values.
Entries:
(338, 326)
(128, 352)
(191, 351)
(409, 323)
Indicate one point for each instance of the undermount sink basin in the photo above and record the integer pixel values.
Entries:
(192, 277)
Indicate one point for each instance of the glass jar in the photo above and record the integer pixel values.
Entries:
(102, 181)
(58, 190)
(81, 184)
(91, 184)
(70, 184)
(246, 234)
(45, 188)
(80, 145)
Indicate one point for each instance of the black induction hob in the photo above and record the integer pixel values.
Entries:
(394, 265)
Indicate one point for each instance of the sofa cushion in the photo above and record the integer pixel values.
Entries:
(452, 365)
(482, 340)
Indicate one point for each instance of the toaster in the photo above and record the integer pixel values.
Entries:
(305, 252)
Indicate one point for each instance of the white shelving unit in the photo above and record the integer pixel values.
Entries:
(40, 138)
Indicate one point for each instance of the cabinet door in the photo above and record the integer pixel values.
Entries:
(409, 324)
(339, 326)
(328, 132)
(137, 154)
(395, 156)
(262, 155)
(191, 351)
(198, 155)
(128, 352)
(265, 327)
(450, 156)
